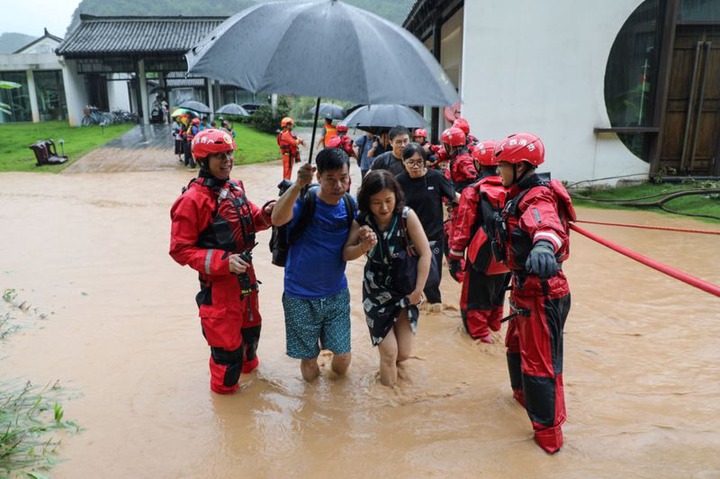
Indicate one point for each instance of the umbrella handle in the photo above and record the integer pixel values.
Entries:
(312, 141)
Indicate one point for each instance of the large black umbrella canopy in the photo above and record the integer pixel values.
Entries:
(232, 109)
(322, 49)
(384, 116)
(195, 106)
(329, 110)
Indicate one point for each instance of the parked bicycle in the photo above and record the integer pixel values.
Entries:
(93, 116)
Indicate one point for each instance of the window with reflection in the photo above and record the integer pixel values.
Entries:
(17, 99)
(631, 74)
(50, 95)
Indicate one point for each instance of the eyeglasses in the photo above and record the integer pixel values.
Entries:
(415, 163)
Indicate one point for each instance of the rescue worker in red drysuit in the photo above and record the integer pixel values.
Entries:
(288, 143)
(460, 171)
(420, 136)
(213, 231)
(483, 279)
(341, 140)
(344, 142)
(438, 159)
(465, 127)
(532, 235)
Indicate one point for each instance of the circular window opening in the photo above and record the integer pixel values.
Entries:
(631, 75)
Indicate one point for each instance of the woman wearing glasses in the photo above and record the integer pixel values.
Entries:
(424, 191)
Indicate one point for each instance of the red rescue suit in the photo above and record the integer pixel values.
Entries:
(345, 143)
(484, 282)
(462, 173)
(342, 141)
(288, 144)
(537, 210)
(211, 220)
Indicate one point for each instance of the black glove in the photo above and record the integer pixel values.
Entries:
(455, 269)
(541, 260)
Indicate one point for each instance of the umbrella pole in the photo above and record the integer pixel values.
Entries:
(312, 142)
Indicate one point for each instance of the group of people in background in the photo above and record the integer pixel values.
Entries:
(480, 205)
(185, 127)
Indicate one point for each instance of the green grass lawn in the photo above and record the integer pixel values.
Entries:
(628, 197)
(254, 146)
(15, 154)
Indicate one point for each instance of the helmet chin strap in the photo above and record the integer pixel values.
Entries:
(522, 175)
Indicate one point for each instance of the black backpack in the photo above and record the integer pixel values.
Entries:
(281, 237)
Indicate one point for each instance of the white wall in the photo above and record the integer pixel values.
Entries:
(539, 67)
(75, 93)
(118, 95)
(45, 45)
(29, 61)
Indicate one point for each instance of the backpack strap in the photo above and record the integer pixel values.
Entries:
(308, 210)
(306, 214)
(350, 208)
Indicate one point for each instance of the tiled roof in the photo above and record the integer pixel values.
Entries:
(120, 36)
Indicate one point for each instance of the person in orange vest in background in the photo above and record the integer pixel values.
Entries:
(288, 143)
(533, 240)
(329, 132)
(483, 279)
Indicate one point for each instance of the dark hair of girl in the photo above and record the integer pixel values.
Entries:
(374, 182)
(413, 148)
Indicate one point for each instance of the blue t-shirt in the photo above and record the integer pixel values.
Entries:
(314, 268)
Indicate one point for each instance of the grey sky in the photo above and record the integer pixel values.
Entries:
(31, 16)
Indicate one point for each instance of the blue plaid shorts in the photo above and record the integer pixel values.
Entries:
(315, 324)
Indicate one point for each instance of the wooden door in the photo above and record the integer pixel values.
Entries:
(691, 136)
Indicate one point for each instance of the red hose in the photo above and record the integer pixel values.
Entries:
(663, 228)
(675, 273)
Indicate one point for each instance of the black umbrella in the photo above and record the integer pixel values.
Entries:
(195, 106)
(322, 49)
(232, 109)
(384, 116)
(330, 111)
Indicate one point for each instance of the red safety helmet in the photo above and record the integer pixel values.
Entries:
(287, 121)
(453, 136)
(195, 121)
(422, 132)
(341, 128)
(520, 147)
(463, 125)
(484, 153)
(211, 141)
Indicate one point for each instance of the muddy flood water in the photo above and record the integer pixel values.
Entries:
(88, 252)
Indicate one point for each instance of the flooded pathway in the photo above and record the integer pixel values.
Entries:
(642, 363)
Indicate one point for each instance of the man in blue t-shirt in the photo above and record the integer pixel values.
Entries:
(316, 299)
